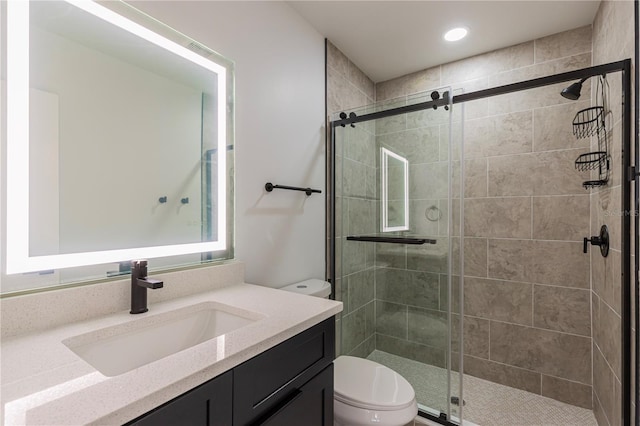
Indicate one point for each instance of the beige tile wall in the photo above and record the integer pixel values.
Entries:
(612, 41)
(527, 299)
(349, 88)
(533, 319)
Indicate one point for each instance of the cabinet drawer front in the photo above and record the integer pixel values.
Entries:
(270, 378)
(207, 405)
(311, 405)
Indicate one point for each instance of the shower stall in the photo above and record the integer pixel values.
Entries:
(465, 238)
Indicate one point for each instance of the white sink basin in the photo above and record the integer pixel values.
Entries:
(124, 347)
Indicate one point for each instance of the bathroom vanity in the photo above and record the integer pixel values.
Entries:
(289, 384)
(275, 368)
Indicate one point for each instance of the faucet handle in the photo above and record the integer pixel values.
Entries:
(139, 268)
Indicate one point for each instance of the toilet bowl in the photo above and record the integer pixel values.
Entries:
(368, 393)
(365, 392)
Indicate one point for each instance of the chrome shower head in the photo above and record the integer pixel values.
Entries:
(573, 92)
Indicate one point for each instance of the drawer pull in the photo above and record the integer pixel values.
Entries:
(290, 399)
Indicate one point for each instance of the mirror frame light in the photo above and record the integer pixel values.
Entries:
(384, 176)
(17, 217)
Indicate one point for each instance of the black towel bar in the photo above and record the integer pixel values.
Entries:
(270, 187)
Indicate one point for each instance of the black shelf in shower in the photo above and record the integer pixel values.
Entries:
(391, 240)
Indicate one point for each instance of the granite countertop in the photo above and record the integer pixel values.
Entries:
(44, 382)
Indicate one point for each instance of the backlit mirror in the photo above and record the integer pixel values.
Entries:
(117, 138)
(394, 184)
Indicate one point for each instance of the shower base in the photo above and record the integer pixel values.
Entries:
(486, 403)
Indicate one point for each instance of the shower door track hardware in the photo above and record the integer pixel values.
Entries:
(352, 119)
(487, 93)
(624, 67)
(392, 240)
(270, 187)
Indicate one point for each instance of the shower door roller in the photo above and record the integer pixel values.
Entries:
(601, 240)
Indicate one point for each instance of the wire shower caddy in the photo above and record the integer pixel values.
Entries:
(591, 122)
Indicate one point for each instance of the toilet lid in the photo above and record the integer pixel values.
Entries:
(312, 287)
(366, 384)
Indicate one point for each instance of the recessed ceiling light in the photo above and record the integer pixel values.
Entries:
(456, 34)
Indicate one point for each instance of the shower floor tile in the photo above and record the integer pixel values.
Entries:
(486, 403)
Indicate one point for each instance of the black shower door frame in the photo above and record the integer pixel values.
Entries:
(629, 173)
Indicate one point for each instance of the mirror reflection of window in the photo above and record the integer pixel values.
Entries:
(394, 182)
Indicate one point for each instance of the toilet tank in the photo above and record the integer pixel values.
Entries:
(312, 287)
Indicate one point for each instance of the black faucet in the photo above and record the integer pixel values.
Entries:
(139, 285)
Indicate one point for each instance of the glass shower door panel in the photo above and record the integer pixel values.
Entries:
(355, 215)
(395, 181)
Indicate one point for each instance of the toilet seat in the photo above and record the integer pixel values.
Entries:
(366, 384)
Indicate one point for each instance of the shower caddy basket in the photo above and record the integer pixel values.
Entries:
(590, 122)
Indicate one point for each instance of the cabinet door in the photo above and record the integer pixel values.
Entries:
(310, 405)
(206, 405)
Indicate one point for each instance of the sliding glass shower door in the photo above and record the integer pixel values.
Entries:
(397, 240)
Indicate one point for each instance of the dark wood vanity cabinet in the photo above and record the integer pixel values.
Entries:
(289, 384)
(310, 405)
(208, 404)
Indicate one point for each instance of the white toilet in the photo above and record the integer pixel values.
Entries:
(368, 393)
(365, 392)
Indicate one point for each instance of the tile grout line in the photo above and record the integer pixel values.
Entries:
(528, 370)
(533, 132)
(489, 341)
(533, 305)
(487, 243)
(567, 333)
(601, 407)
(531, 217)
(488, 278)
(541, 384)
(487, 172)
(615, 376)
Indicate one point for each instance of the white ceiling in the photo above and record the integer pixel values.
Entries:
(387, 39)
